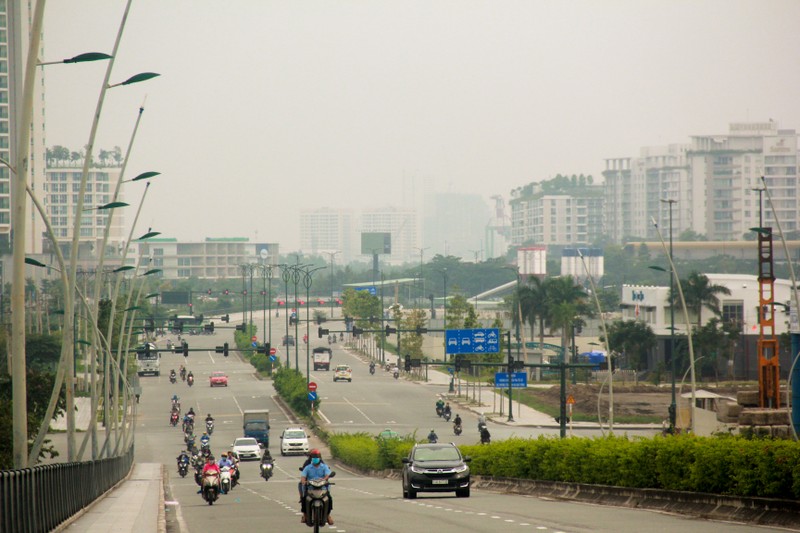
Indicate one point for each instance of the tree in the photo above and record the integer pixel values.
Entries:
(456, 311)
(565, 301)
(633, 338)
(361, 305)
(699, 292)
(710, 343)
(412, 342)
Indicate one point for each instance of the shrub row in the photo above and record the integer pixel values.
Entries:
(292, 387)
(720, 465)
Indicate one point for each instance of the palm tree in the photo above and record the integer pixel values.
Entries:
(699, 292)
(533, 299)
(565, 301)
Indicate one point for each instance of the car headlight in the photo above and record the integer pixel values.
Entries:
(459, 469)
(417, 470)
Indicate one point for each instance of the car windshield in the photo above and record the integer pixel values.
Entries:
(343, 369)
(438, 453)
(245, 442)
(257, 426)
(218, 374)
(294, 435)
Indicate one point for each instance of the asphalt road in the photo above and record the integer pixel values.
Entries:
(369, 403)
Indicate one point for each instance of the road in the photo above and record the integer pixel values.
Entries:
(369, 403)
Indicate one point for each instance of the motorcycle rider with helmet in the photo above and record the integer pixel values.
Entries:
(432, 437)
(209, 468)
(316, 469)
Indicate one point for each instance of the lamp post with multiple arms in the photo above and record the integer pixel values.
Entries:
(332, 255)
(307, 281)
(688, 324)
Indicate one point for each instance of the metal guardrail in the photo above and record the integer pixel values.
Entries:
(38, 499)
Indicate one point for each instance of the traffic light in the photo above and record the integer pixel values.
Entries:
(322, 331)
(209, 327)
(225, 349)
(185, 349)
(267, 348)
(226, 318)
(219, 349)
(421, 330)
(408, 363)
(390, 330)
(241, 327)
(357, 331)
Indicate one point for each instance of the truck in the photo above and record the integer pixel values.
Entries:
(255, 424)
(322, 358)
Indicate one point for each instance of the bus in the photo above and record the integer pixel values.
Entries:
(148, 361)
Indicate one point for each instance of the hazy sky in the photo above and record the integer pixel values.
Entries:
(265, 107)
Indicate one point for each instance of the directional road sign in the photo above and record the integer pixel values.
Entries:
(272, 358)
(312, 396)
(372, 290)
(519, 380)
(482, 340)
(254, 344)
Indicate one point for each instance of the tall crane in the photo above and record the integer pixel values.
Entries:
(768, 363)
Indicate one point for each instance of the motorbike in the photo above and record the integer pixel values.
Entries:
(173, 418)
(209, 426)
(317, 503)
(183, 374)
(439, 410)
(433, 438)
(189, 440)
(173, 379)
(485, 437)
(170, 346)
(266, 470)
(210, 490)
(329, 339)
(190, 380)
(372, 369)
(446, 415)
(183, 466)
(341, 337)
(481, 426)
(457, 429)
(176, 406)
(396, 374)
(225, 479)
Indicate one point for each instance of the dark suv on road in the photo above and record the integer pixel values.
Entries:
(288, 340)
(435, 468)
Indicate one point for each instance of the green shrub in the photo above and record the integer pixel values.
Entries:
(292, 387)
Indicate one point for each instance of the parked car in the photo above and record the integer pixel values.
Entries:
(246, 448)
(435, 468)
(218, 378)
(344, 373)
(294, 441)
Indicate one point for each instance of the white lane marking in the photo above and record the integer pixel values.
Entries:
(327, 420)
(285, 414)
(211, 356)
(239, 407)
(359, 410)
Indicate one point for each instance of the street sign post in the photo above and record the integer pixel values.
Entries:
(312, 396)
(479, 340)
(254, 338)
(312, 386)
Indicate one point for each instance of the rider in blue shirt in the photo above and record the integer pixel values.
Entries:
(316, 469)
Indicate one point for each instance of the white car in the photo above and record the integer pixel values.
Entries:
(246, 448)
(343, 372)
(294, 440)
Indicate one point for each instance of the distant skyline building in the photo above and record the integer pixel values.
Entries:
(455, 224)
(213, 258)
(574, 216)
(61, 188)
(712, 182)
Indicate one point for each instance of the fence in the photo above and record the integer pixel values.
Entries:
(38, 499)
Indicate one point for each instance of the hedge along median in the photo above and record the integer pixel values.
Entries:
(719, 465)
(292, 387)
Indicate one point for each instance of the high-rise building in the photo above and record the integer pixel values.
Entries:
(14, 38)
(61, 188)
(213, 258)
(455, 224)
(712, 182)
(562, 214)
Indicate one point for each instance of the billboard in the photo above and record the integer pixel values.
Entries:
(176, 298)
(376, 243)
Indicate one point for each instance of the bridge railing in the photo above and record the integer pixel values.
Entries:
(38, 499)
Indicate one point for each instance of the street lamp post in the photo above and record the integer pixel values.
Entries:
(286, 275)
(307, 281)
(332, 255)
(673, 406)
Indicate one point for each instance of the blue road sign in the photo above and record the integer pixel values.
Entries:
(272, 358)
(482, 340)
(254, 344)
(312, 396)
(372, 290)
(519, 380)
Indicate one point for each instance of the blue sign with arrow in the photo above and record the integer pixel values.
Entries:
(312, 396)
(481, 340)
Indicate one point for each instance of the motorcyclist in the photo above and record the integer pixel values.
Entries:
(209, 418)
(439, 406)
(172, 375)
(234, 464)
(485, 436)
(457, 420)
(190, 376)
(372, 367)
(204, 438)
(190, 413)
(183, 373)
(210, 468)
(175, 399)
(316, 470)
(183, 458)
(432, 437)
(446, 411)
(267, 457)
(224, 461)
(341, 336)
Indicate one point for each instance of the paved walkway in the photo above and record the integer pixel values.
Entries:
(135, 505)
(83, 410)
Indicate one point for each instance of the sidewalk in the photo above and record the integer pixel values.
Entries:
(135, 505)
(83, 415)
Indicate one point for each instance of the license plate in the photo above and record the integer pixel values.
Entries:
(440, 482)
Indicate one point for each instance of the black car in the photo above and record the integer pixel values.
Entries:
(288, 340)
(435, 468)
